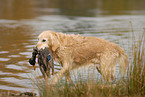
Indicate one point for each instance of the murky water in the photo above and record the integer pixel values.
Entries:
(21, 21)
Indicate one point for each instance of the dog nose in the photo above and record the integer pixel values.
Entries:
(40, 46)
(37, 46)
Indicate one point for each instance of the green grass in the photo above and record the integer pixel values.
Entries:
(131, 86)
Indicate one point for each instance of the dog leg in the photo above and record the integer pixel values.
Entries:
(108, 66)
(60, 74)
(67, 75)
(113, 68)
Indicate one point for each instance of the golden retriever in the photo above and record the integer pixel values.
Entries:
(73, 51)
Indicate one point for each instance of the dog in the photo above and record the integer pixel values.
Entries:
(73, 51)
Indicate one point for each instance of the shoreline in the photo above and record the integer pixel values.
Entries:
(17, 94)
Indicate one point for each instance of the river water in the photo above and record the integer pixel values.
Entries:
(21, 21)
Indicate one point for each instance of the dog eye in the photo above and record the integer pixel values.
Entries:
(43, 40)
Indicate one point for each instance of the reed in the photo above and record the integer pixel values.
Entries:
(136, 71)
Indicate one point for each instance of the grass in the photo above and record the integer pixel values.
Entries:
(136, 72)
(131, 86)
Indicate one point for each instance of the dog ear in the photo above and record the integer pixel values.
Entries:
(55, 41)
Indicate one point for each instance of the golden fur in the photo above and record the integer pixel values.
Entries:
(73, 51)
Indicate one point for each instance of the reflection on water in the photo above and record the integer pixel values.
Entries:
(26, 9)
(13, 62)
(21, 21)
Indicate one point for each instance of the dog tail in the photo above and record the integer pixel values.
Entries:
(123, 63)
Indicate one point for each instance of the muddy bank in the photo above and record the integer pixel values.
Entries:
(24, 94)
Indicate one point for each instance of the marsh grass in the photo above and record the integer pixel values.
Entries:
(136, 71)
(133, 85)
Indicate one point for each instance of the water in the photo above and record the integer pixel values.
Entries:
(21, 21)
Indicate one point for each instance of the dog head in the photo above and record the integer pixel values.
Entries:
(48, 39)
